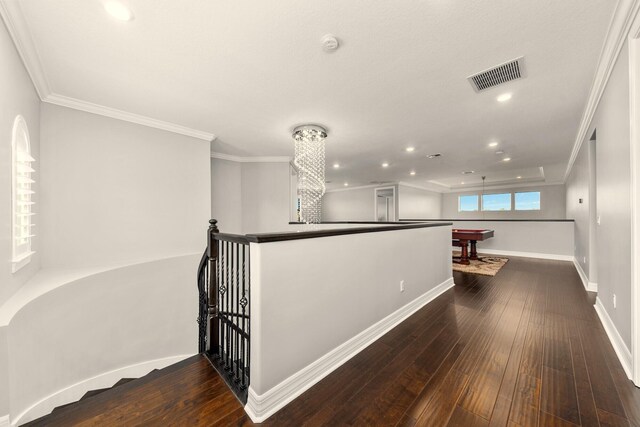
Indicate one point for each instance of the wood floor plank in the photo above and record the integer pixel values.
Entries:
(482, 390)
(605, 393)
(586, 404)
(548, 420)
(526, 401)
(463, 418)
(558, 395)
(607, 419)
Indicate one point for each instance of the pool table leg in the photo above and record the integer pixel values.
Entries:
(474, 253)
(464, 257)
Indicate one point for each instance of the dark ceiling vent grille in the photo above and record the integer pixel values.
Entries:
(503, 73)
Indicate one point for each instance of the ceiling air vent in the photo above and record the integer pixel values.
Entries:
(494, 76)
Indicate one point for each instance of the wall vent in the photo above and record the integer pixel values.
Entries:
(494, 76)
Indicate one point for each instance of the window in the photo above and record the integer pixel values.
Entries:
(496, 202)
(468, 203)
(529, 201)
(22, 194)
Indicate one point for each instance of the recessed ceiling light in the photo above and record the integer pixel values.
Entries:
(385, 165)
(519, 177)
(118, 11)
(336, 165)
(346, 184)
(412, 173)
(462, 183)
(409, 149)
(506, 159)
(433, 156)
(504, 97)
(493, 144)
(499, 152)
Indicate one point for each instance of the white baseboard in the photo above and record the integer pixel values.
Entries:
(488, 251)
(261, 407)
(74, 392)
(557, 257)
(4, 421)
(624, 355)
(589, 286)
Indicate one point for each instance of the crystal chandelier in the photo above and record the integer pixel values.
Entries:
(309, 159)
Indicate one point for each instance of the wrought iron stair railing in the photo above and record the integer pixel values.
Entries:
(224, 308)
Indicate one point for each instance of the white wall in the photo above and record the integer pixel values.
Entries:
(613, 176)
(18, 98)
(578, 187)
(117, 192)
(349, 205)
(265, 196)
(419, 203)
(295, 322)
(543, 239)
(552, 204)
(251, 197)
(226, 195)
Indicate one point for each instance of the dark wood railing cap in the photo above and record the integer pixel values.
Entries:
(312, 234)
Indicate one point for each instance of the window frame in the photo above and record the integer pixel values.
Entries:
(21, 192)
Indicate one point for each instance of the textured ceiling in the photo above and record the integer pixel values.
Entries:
(250, 71)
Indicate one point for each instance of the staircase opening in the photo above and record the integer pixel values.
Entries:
(224, 308)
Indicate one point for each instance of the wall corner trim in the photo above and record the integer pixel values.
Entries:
(4, 421)
(589, 286)
(261, 407)
(621, 349)
(621, 23)
(75, 391)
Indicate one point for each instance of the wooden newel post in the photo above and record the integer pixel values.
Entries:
(212, 310)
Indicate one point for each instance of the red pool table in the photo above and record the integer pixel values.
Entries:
(462, 237)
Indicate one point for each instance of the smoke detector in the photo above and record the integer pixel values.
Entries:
(329, 43)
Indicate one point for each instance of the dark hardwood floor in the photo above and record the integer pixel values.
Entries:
(522, 348)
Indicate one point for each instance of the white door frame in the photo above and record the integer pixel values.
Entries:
(634, 109)
(375, 201)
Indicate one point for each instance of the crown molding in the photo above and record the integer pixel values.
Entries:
(420, 187)
(621, 22)
(101, 110)
(19, 31)
(250, 159)
(360, 187)
(505, 186)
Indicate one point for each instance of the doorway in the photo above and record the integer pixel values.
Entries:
(634, 94)
(385, 204)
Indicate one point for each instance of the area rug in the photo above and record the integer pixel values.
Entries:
(487, 266)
